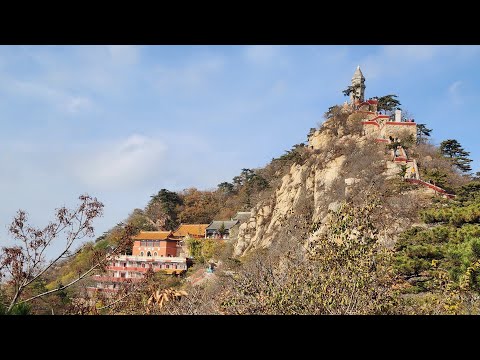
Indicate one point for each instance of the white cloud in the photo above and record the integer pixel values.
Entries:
(262, 54)
(120, 164)
(65, 75)
(398, 60)
(412, 53)
(124, 54)
(42, 91)
(77, 103)
(454, 91)
(192, 76)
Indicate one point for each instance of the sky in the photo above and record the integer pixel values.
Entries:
(122, 122)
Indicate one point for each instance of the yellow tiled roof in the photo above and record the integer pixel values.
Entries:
(152, 235)
(191, 229)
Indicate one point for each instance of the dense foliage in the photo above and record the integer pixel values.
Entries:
(448, 244)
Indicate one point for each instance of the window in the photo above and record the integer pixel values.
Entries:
(149, 253)
(167, 266)
(155, 253)
(141, 253)
(143, 265)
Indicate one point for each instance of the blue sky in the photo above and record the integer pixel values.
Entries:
(122, 122)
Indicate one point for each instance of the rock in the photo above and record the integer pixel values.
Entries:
(334, 206)
(314, 187)
(351, 181)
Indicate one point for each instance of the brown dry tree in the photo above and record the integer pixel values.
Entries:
(26, 262)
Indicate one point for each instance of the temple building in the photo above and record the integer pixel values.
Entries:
(156, 250)
(382, 127)
(220, 229)
(190, 230)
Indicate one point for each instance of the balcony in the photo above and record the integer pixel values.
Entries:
(149, 258)
(128, 268)
(104, 278)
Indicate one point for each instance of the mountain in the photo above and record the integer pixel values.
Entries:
(366, 217)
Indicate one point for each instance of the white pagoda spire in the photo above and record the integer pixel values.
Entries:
(358, 85)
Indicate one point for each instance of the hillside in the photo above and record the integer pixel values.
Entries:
(354, 221)
(339, 170)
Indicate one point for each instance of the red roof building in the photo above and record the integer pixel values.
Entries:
(156, 250)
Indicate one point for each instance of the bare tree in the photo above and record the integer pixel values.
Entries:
(23, 264)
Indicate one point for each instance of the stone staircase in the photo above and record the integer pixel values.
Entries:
(399, 156)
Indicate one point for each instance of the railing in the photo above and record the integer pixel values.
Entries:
(137, 269)
(370, 122)
(400, 123)
(128, 268)
(149, 258)
(114, 279)
(431, 186)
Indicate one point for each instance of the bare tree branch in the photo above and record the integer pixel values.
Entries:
(25, 264)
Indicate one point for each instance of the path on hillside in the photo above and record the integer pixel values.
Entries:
(200, 276)
(399, 156)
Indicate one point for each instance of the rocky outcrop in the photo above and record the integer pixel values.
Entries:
(304, 184)
(336, 166)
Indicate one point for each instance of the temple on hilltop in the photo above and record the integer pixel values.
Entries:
(384, 128)
(357, 95)
(391, 129)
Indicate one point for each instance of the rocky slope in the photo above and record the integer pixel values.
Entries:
(340, 164)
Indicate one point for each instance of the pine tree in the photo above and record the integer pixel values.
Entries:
(387, 103)
(422, 133)
(452, 149)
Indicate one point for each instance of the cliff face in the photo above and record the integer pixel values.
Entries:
(304, 184)
(339, 164)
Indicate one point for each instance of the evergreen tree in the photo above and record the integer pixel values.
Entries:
(387, 103)
(226, 187)
(222, 231)
(348, 90)
(452, 149)
(163, 206)
(422, 133)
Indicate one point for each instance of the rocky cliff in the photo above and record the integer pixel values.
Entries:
(341, 165)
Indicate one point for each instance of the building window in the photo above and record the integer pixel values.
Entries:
(155, 253)
(143, 265)
(167, 266)
(141, 253)
(149, 253)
